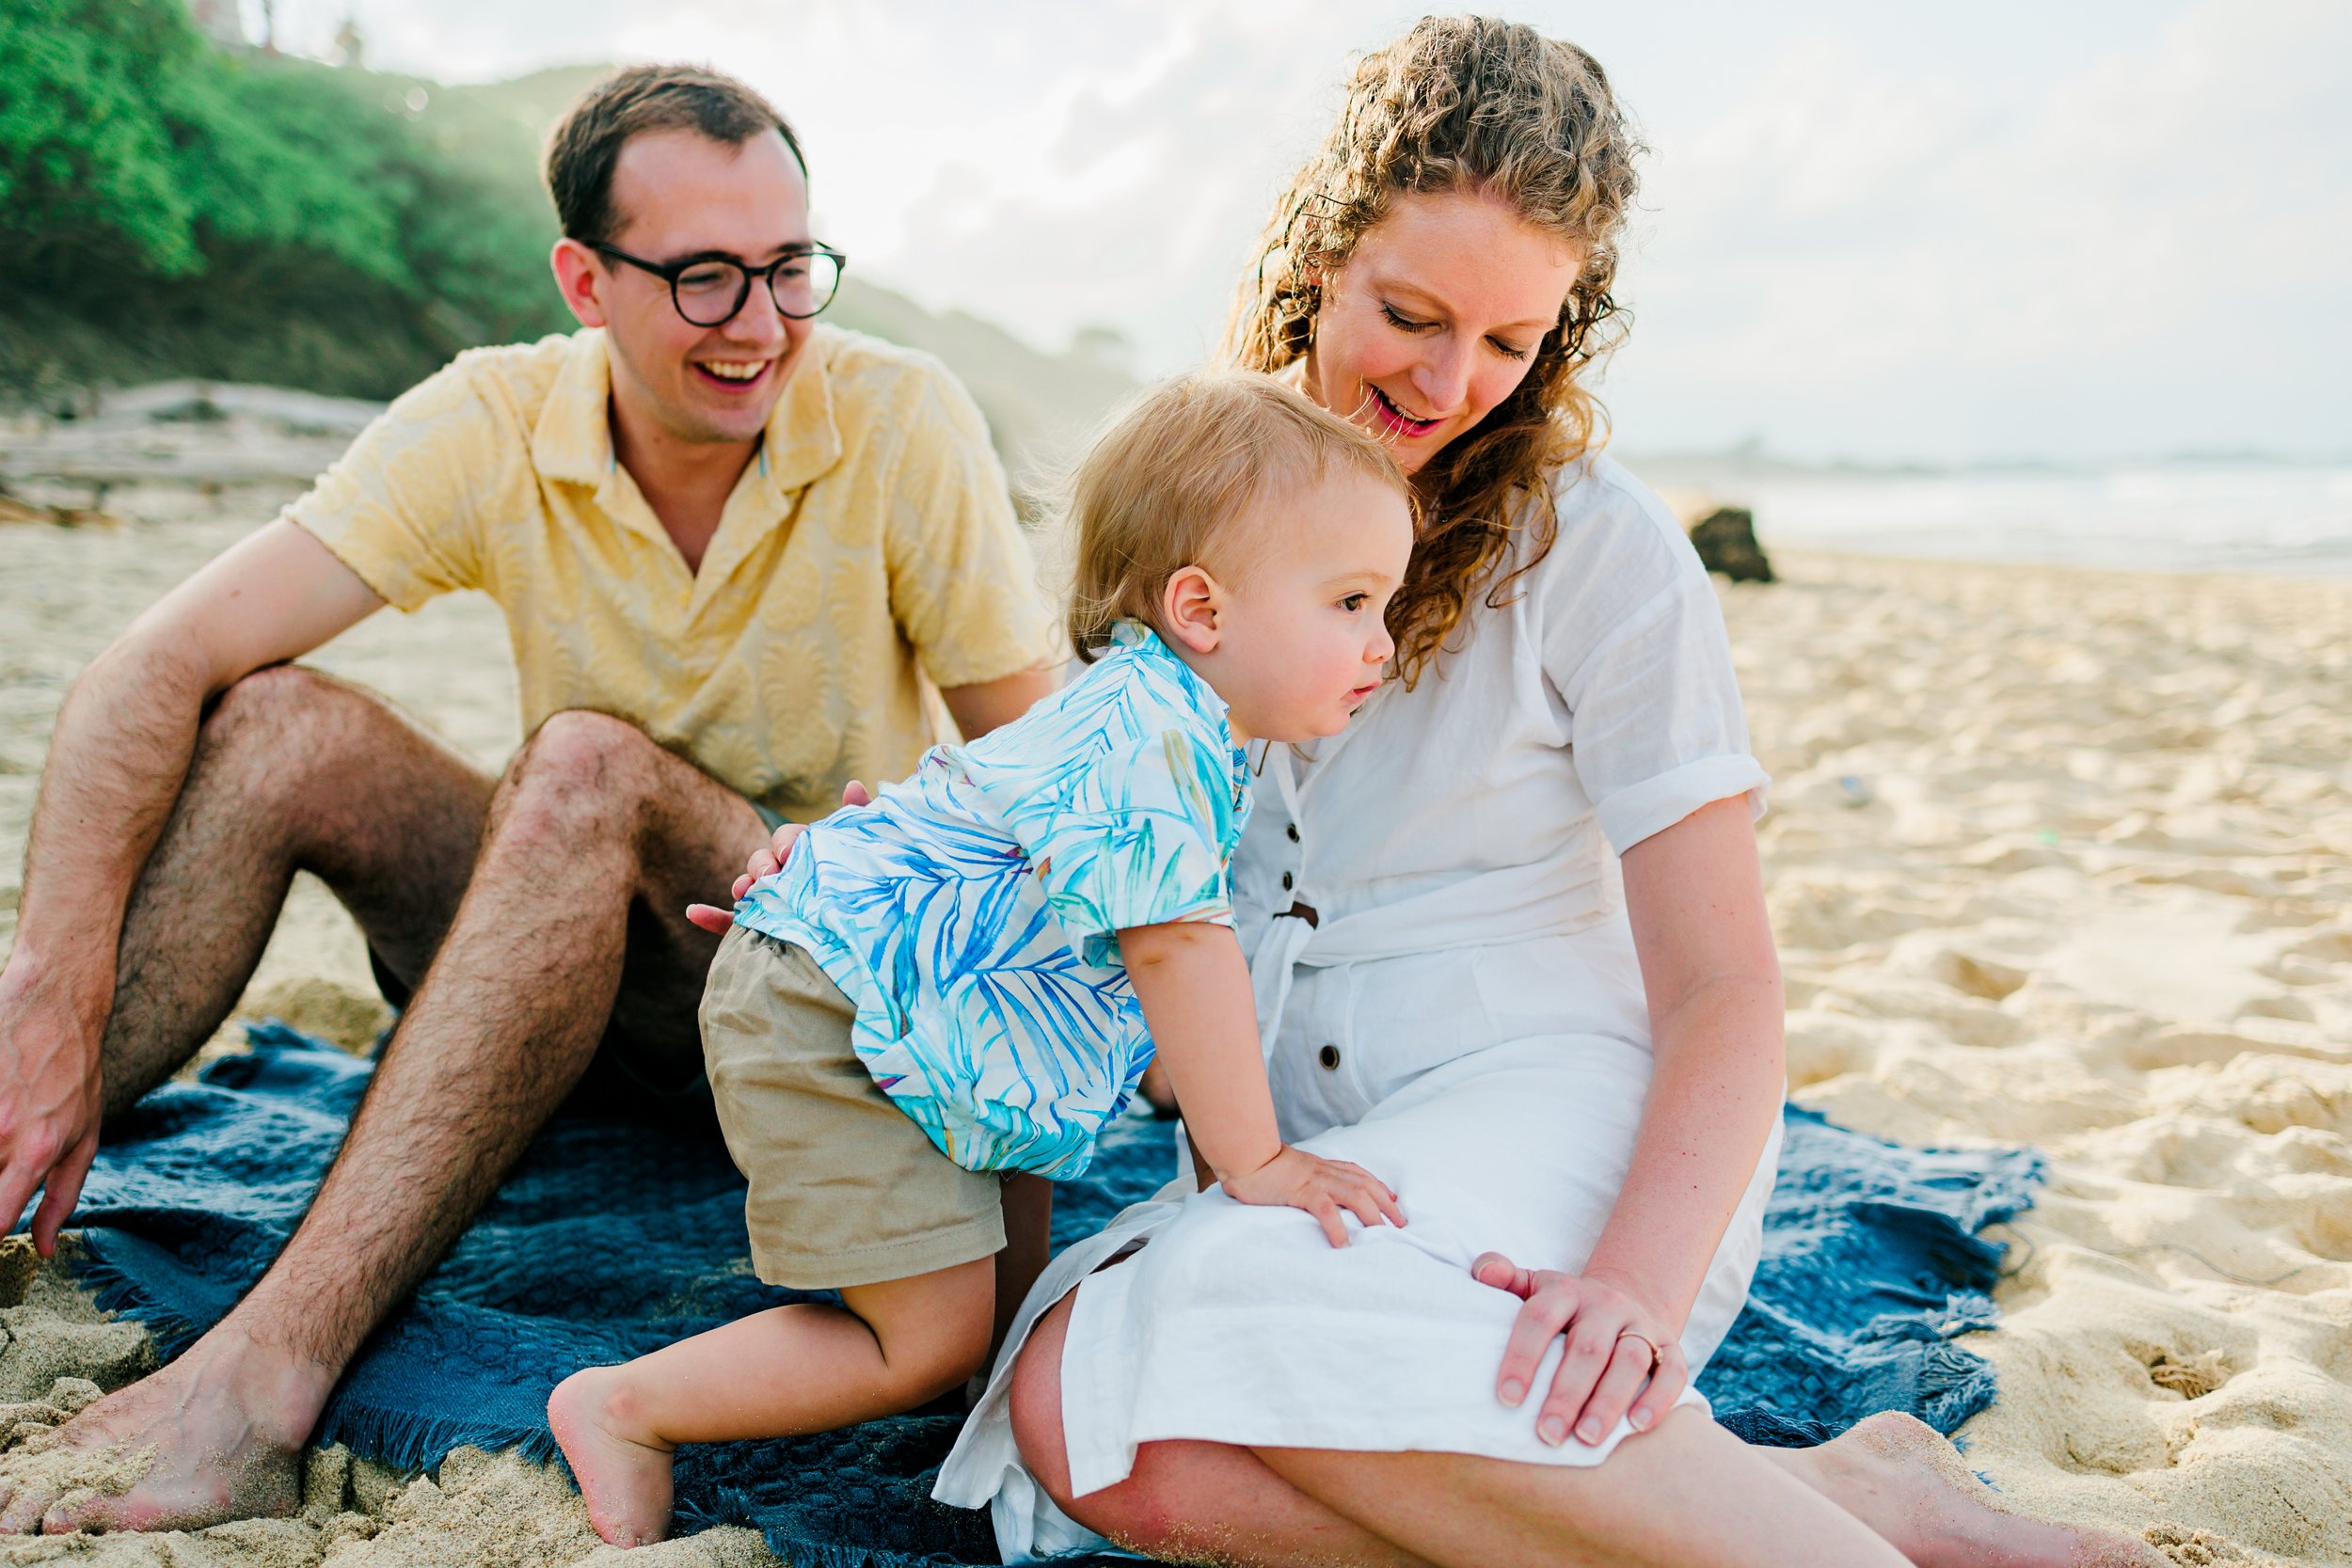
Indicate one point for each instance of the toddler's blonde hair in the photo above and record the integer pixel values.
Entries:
(1162, 486)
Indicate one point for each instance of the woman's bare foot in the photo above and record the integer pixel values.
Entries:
(212, 1437)
(1898, 1476)
(623, 1473)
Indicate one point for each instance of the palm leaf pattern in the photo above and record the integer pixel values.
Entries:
(972, 912)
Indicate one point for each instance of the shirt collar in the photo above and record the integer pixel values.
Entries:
(573, 439)
(1144, 643)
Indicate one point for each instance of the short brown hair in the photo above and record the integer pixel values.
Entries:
(1175, 467)
(586, 143)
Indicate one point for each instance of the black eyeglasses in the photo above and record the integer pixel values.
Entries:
(709, 291)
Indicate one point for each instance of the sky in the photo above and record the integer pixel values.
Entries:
(1869, 233)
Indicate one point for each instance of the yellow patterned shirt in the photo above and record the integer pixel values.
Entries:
(869, 553)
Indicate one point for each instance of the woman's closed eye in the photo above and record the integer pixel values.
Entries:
(1405, 324)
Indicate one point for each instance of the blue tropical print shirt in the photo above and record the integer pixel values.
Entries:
(972, 912)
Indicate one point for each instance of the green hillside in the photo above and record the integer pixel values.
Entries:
(171, 209)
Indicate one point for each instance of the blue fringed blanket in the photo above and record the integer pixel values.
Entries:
(613, 1238)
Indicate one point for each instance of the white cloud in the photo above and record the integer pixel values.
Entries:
(1871, 231)
(1846, 261)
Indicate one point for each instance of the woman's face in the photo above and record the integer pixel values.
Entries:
(1434, 318)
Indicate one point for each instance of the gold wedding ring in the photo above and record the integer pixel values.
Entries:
(1628, 1334)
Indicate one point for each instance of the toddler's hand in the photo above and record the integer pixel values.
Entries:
(1321, 1187)
(765, 862)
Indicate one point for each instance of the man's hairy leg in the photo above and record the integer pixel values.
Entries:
(294, 771)
(594, 833)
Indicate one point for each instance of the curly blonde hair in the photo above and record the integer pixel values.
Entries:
(1464, 104)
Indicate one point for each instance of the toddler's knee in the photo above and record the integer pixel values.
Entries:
(938, 1361)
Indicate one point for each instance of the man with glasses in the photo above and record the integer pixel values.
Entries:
(741, 558)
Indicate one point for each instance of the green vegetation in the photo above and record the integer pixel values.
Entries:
(172, 208)
(168, 208)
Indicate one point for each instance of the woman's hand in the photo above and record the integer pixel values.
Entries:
(1616, 1343)
(765, 862)
(1321, 1187)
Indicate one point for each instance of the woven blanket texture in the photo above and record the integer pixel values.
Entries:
(614, 1237)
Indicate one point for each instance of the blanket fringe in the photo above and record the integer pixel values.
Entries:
(411, 1440)
(118, 1293)
(732, 1506)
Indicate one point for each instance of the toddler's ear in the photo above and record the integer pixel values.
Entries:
(1188, 610)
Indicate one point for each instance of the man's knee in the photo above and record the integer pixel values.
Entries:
(283, 699)
(277, 731)
(583, 771)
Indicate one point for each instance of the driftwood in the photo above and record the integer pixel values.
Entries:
(14, 511)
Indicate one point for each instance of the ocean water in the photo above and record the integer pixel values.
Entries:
(2175, 517)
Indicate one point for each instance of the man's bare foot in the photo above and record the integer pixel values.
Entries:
(1898, 1476)
(212, 1437)
(623, 1473)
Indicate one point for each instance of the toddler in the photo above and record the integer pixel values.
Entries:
(967, 977)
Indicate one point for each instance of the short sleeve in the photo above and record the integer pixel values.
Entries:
(402, 507)
(964, 585)
(1139, 833)
(1635, 645)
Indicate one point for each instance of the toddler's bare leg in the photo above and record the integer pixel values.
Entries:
(777, 1373)
(1028, 1245)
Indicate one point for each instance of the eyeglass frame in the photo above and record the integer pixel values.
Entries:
(670, 272)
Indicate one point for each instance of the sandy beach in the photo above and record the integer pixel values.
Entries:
(2057, 857)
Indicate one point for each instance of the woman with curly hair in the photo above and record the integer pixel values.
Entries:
(1508, 940)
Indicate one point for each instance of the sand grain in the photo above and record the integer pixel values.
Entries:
(2060, 857)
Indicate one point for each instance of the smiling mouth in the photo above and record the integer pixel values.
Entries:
(735, 375)
(1396, 420)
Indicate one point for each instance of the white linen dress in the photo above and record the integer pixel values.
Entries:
(1465, 1018)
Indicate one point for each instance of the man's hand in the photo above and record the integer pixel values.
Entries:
(49, 1104)
(118, 758)
(1615, 1344)
(765, 862)
(1299, 1180)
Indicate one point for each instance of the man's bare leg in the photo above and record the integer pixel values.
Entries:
(593, 834)
(294, 771)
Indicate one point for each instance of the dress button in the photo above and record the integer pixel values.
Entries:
(1293, 832)
(1286, 882)
(1329, 1057)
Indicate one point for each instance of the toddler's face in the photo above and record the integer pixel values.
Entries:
(1300, 638)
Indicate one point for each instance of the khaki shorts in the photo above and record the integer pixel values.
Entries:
(845, 1188)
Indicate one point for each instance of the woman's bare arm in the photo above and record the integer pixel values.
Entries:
(1194, 986)
(1696, 899)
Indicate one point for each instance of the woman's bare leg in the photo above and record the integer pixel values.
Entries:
(1184, 1502)
(1685, 1494)
(1891, 1478)
(1896, 1474)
